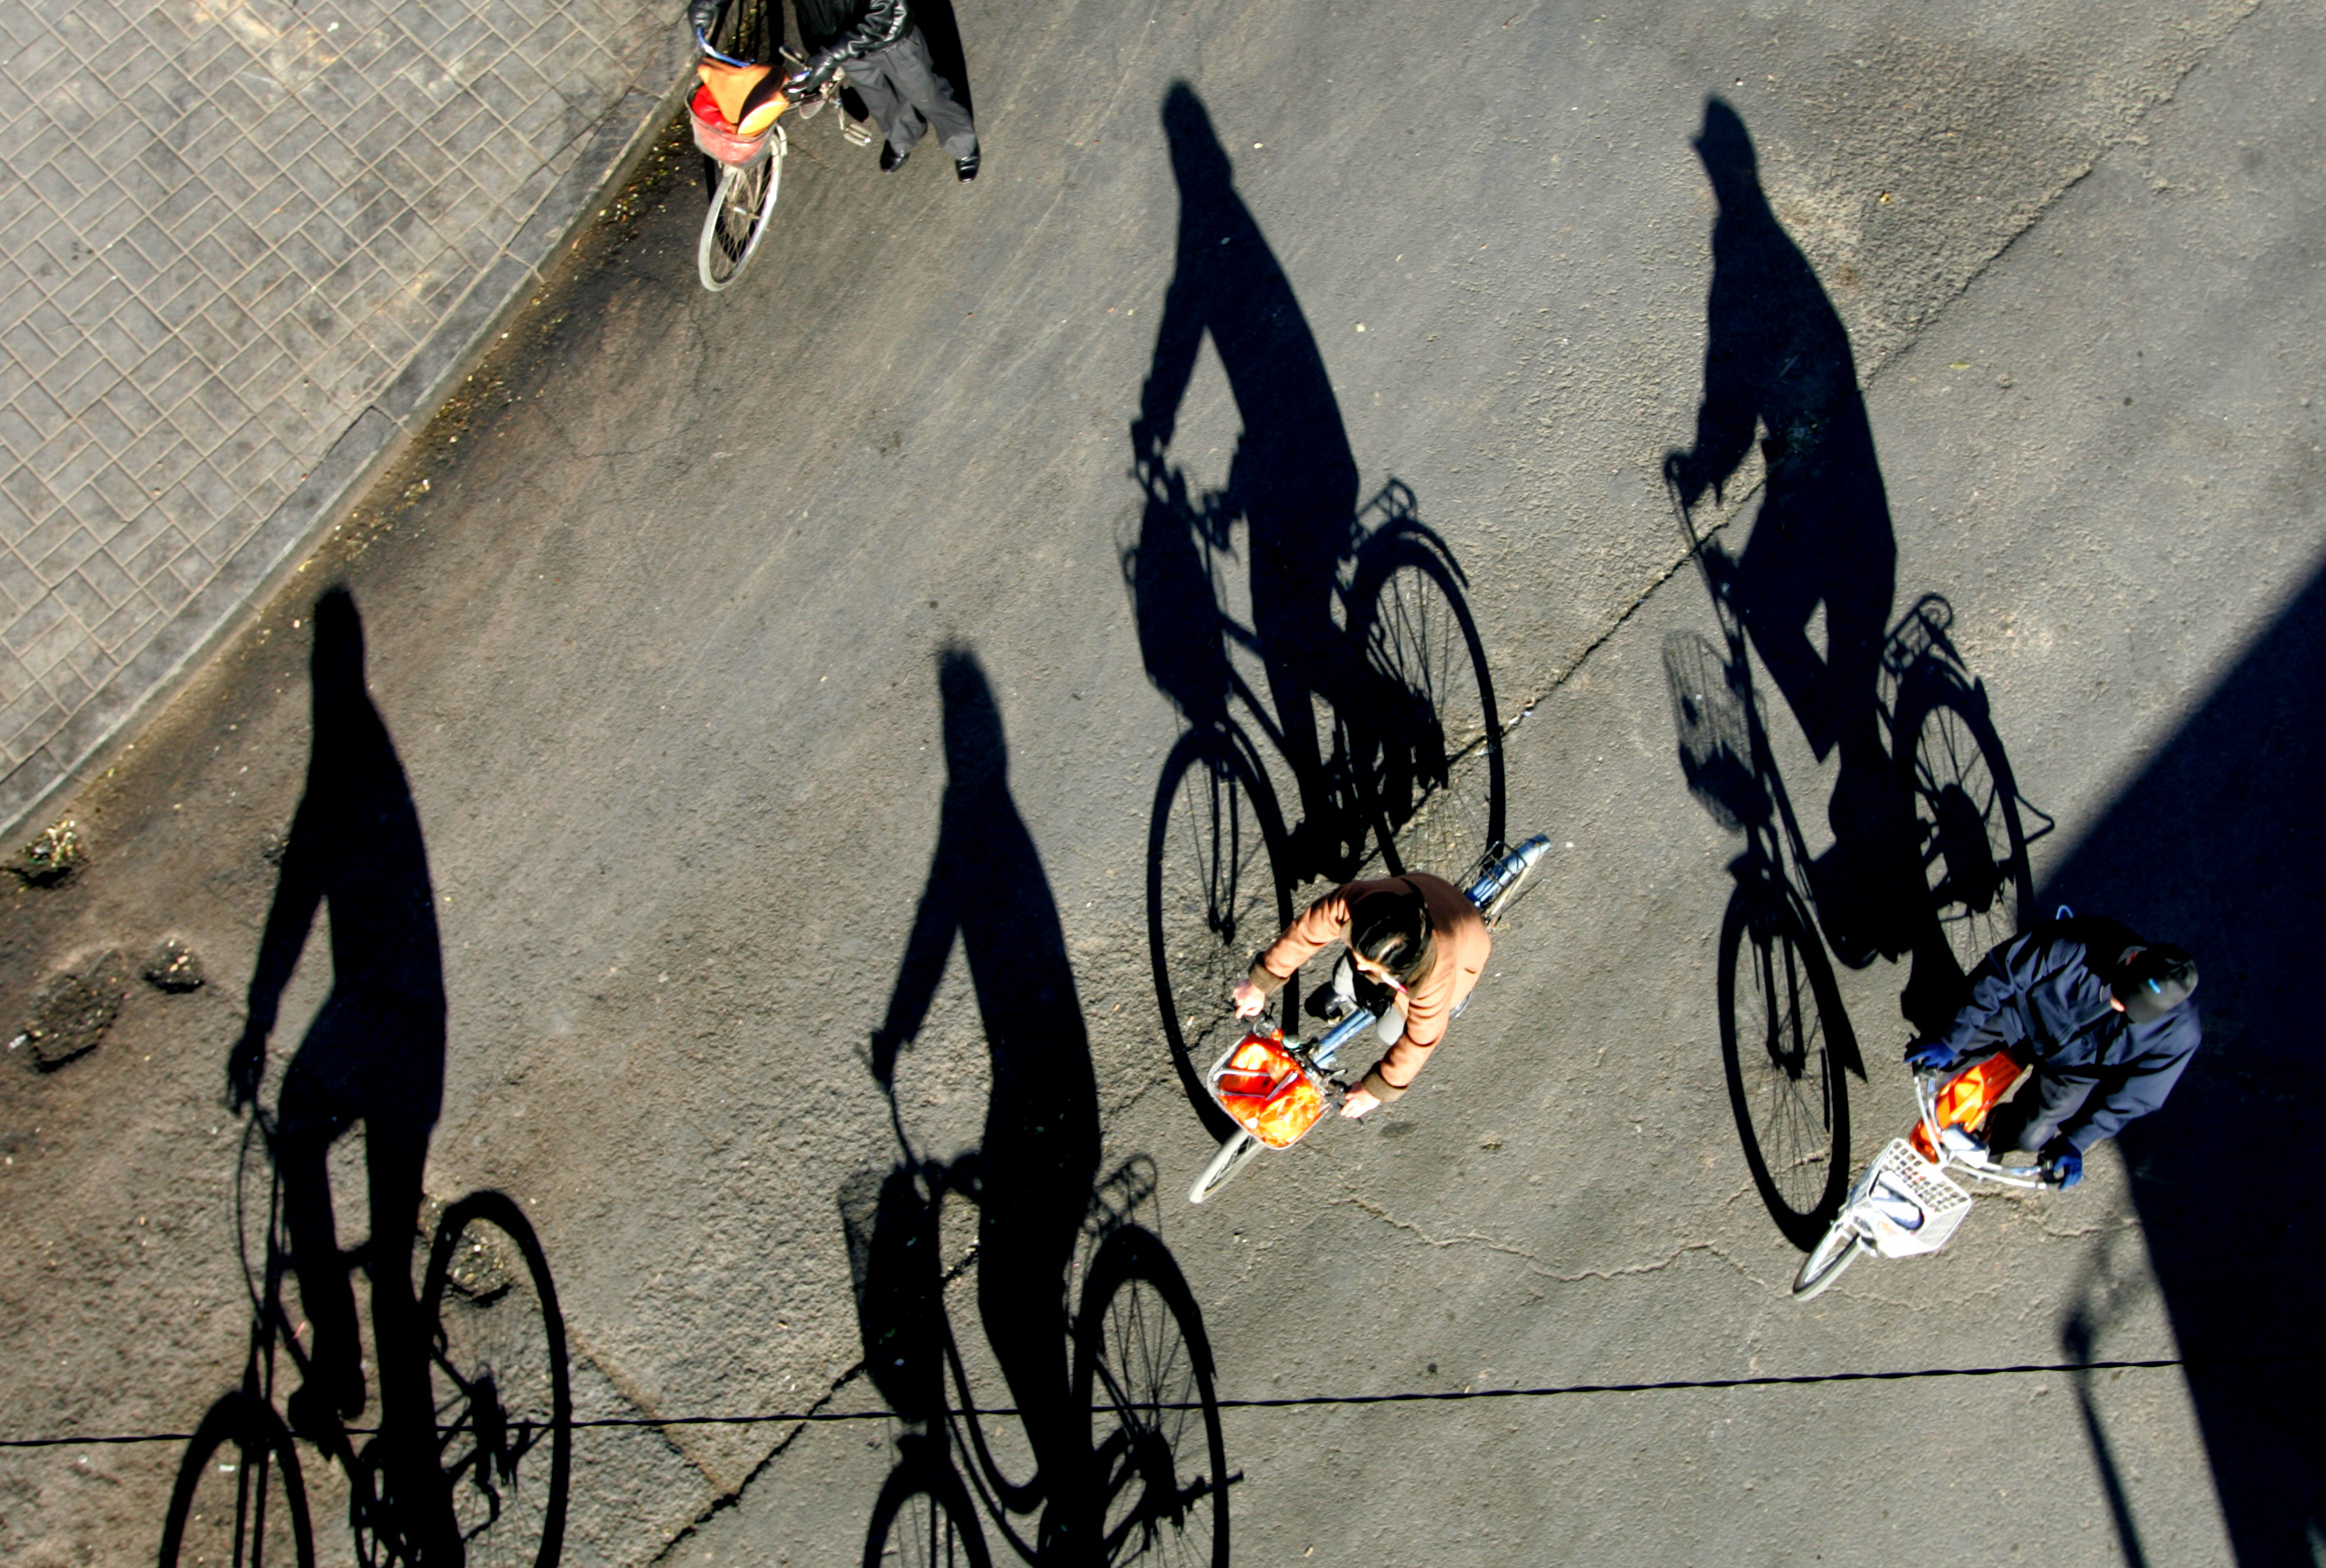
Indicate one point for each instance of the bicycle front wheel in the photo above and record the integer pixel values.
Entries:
(503, 1399)
(1836, 1251)
(741, 207)
(1429, 754)
(1240, 1150)
(924, 1521)
(239, 1501)
(1790, 1102)
(1143, 1370)
(1215, 895)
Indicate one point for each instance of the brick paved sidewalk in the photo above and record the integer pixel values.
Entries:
(242, 244)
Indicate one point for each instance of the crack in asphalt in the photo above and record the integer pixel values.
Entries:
(1535, 1264)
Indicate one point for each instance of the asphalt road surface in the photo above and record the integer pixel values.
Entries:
(776, 691)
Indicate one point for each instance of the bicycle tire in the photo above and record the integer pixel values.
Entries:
(1215, 891)
(740, 209)
(1238, 1150)
(1835, 1251)
(1428, 744)
(503, 1387)
(939, 1528)
(1786, 1086)
(214, 1521)
(1971, 845)
(1143, 1370)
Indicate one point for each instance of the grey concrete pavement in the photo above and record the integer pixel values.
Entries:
(242, 247)
(660, 652)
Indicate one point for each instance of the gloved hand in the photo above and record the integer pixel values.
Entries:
(702, 15)
(1931, 1056)
(805, 84)
(2064, 1161)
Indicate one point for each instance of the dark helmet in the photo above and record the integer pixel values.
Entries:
(2153, 980)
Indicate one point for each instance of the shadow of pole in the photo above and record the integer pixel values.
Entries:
(2217, 846)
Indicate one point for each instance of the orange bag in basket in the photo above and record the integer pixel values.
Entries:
(1262, 1086)
(1965, 1099)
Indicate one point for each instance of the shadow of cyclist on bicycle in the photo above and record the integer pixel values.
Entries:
(1293, 480)
(1777, 362)
(1038, 1160)
(375, 1053)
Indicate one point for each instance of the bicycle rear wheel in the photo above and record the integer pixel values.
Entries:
(1429, 754)
(1836, 1251)
(1967, 834)
(1791, 1101)
(1143, 1370)
(239, 1501)
(741, 207)
(1215, 893)
(504, 1400)
(1240, 1150)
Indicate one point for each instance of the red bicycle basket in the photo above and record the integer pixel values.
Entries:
(715, 134)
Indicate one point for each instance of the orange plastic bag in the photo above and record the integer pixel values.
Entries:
(717, 135)
(1267, 1092)
(1965, 1099)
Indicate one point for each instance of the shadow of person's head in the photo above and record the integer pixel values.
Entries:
(1197, 159)
(337, 661)
(975, 752)
(1729, 161)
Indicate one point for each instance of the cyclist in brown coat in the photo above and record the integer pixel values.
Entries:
(1416, 935)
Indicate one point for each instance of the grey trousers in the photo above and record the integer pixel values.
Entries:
(901, 87)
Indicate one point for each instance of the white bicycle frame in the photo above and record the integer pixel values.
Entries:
(1905, 1206)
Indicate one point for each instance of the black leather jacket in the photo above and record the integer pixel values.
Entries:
(841, 30)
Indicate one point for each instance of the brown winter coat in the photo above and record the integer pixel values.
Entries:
(1462, 944)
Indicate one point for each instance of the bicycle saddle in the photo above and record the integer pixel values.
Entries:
(751, 97)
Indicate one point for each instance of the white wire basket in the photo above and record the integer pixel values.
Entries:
(1904, 1205)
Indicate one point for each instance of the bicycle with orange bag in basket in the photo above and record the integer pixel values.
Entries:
(1276, 1089)
(735, 114)
(1905, 1204)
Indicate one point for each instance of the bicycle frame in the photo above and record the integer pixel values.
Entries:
(1905, 1204)
(1491, 889)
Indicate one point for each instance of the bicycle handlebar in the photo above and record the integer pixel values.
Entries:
(1926, 1099)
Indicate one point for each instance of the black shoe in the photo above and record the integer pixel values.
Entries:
(892, 160)
(966, 168)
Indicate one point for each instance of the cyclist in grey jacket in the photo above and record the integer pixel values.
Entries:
(2106, 1019)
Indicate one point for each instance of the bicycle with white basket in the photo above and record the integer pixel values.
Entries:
(1905, 1204)
(1276, 1089)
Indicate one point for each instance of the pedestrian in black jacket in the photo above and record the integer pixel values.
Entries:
(2105, 1017)
(889, 65)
